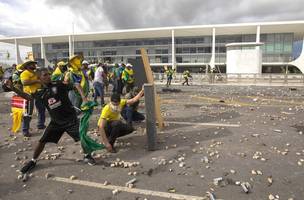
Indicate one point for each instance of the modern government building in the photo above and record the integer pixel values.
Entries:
(267, 47)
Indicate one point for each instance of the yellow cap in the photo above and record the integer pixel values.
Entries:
(75, 62)
(28, 62)
(19, 67)
(62, 63)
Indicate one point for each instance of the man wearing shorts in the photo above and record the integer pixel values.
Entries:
(54, 96)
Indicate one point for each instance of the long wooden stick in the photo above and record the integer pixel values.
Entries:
(150, 79)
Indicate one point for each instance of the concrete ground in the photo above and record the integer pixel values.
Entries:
(266, 150)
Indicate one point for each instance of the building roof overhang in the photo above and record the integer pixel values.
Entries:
(296, 27)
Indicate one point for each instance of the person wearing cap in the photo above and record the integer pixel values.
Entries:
(59, 73)
(169, 73)
(16, 77)
(31, 84)
(98, 84)
(85, 69)
(128, 77)
(76, 77)
(118, 84)
(186, 75)
(109, 124)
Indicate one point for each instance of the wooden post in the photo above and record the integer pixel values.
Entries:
(150, 79)
(150, 115)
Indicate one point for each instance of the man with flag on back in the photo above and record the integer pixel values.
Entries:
(59, 73)
(77, 78)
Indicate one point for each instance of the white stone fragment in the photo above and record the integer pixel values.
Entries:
(232, 171)
(115, 192)
(182, 164)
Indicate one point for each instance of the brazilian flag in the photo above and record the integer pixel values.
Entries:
(88, 144)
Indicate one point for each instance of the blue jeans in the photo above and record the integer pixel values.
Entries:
(98, 92)
(27, 117)
(41, 114)
(118, 86)
(130, 115)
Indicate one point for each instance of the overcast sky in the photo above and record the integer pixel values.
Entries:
(36, 17)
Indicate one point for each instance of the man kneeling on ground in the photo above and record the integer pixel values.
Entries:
(109, 123)
(54, 96)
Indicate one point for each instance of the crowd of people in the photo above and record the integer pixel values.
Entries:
(65, 90)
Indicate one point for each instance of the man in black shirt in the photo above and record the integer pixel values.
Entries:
(54, 96)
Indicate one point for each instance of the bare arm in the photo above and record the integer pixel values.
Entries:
(136, 98)
(30, 82)
(66, 78)
(103, 136)
(79, 89)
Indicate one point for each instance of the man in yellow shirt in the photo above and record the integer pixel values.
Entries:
(109, 123)
(31, 84)
(128, 77)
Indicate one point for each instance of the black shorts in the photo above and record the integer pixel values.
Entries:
(53, 132)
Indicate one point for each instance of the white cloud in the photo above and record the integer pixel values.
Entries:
(35, 17)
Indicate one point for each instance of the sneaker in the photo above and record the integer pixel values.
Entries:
(89, 159)
(27, 167)
(27, 134)
(41, 127)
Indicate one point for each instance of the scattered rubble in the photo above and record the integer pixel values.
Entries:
(124, 164)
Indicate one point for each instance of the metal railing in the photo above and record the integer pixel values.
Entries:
(244, 79)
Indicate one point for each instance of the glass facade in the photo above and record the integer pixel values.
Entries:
(278, 47)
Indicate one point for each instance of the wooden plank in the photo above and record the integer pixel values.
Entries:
(129, 190)
(150, 79)
(147, 67)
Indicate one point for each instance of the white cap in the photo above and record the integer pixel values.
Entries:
(85, 62)
(129, 65)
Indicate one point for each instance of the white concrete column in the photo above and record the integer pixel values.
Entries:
(71, 46)
(212, 60)
(258, 33)
(173, 50)
(18, 58)
(258, 48)
(42, 49)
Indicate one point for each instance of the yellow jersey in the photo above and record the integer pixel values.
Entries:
(109, 115)
(27, 75)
